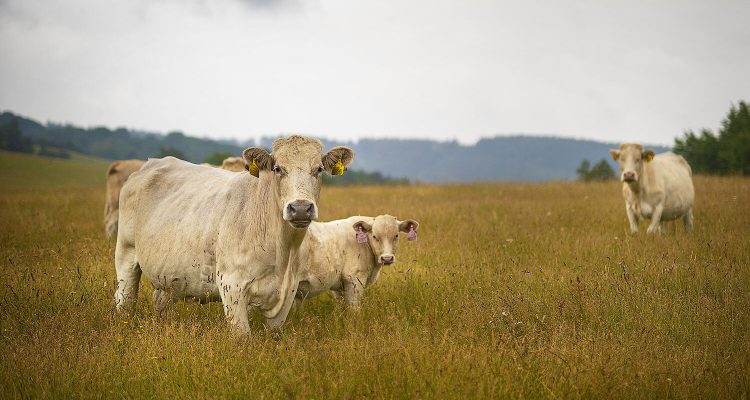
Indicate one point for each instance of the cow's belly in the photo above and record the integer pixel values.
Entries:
(184, 275)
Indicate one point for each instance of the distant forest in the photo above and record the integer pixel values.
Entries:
(25, 135)
(502, 158)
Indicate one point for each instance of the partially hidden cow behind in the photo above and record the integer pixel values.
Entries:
(117, 173)
(656, 187)
(346, 256)
(207, 234)
(235, 164)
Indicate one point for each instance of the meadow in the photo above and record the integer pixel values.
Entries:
(512, 291)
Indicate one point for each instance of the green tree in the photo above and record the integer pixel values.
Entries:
(165, 151)
(601, 171)
(11, 138)
(725, 153)
(583, 170)
(217, 158)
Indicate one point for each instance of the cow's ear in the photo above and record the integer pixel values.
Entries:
(615, 154)
(257, 159)
(648, 155)
(408, 225)
(362, 225)
(337, 159)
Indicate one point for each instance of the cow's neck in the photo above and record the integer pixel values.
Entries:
(282, 235)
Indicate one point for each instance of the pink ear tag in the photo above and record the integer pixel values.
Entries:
(412, 234)
(361, 236)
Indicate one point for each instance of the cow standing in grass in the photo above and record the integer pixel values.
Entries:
(655, 187)
(117, 174)
(206, 234)
(346, 255)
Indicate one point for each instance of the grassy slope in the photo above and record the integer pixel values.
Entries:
(512, 290)
(27, 172)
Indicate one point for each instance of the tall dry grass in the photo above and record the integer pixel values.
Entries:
(512, 290)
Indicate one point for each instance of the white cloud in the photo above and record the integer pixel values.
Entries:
(437, 69)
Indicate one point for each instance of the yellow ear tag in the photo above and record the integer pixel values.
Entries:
(649, 157)
(338, 168)
(253, 169)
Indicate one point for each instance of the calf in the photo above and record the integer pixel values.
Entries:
(346, 255)
(656, 187)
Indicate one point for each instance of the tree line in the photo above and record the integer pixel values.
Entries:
(726, 152)
(19, 134)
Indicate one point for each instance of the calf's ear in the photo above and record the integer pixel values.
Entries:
(337, 159)
(257, 159)
(615, 154)
(408, 225)
(364, 226)
(648, 155)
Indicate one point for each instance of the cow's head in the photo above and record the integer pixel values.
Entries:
(631, 157)
(383, 235)
(295, 167)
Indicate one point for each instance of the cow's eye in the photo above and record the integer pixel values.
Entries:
(319, 170)
(277, 170)
(375, 237)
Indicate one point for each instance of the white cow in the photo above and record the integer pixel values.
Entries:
(206, 234)
(658, 187)
(346, 255)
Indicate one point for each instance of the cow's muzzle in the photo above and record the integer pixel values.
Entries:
(387, 259)
(300, 213)
(628, 177)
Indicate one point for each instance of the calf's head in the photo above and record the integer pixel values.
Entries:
(295, 169)
(631, 157)
(382, 235)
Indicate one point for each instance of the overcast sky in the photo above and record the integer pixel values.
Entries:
(609, 70)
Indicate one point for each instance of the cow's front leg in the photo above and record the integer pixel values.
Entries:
(235, 305)
(163, 303)
(353, 289)
(655, 226)
(632, 218)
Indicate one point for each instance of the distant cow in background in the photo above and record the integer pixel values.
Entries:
(346, 255)
(117, 173)
(656, 187)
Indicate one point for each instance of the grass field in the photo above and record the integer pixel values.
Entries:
(512, 291)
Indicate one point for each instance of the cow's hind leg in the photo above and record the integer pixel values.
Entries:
(128, 278)
(688, 220)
